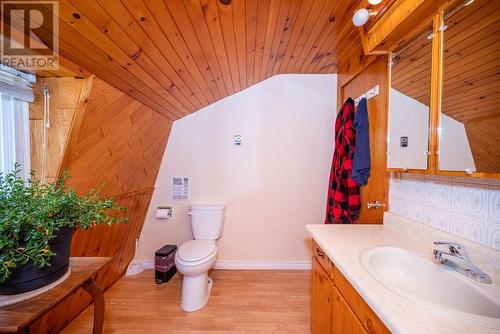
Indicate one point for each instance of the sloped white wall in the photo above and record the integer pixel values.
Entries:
(455, 152)
(273, 184)
(409, 117)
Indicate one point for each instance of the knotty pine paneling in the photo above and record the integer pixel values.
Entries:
(178, 56)
(64, 95)
(117, 241)
(483, 137)
(356, 78)
(118, 144)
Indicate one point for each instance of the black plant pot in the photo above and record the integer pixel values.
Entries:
(30, 277)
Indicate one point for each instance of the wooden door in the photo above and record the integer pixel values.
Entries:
(378, 183)
(321, 300)
(344, 321)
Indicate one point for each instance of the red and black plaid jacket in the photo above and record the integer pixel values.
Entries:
(343, 193)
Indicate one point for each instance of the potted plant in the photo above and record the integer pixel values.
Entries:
(37, 222)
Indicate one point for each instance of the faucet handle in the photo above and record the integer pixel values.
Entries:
(455, 248)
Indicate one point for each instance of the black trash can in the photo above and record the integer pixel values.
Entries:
(165, 263)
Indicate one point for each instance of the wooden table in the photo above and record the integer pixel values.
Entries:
(16, 318)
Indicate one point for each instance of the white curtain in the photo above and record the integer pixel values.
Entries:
(14, 134)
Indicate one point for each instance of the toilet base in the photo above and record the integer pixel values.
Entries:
(195, 292)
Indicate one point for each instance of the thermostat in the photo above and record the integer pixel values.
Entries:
(404, 141)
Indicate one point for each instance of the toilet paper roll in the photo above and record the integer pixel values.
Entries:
(162, 213)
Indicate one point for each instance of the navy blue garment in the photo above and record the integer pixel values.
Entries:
(361, 160)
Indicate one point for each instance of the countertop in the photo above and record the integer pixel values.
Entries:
(344, 243)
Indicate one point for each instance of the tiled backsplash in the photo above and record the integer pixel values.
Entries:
(469, 208)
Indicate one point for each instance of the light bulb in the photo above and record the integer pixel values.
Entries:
(360, 17)
(374, 2)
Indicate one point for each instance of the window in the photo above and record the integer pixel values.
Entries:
(15, 94)
(14, 135)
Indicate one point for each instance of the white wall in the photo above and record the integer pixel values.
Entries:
(408, 117)
(455, 153)
(273, 184)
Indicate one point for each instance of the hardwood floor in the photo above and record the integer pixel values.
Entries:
(242, 301)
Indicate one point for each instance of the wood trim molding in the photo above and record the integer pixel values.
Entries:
(435, 98)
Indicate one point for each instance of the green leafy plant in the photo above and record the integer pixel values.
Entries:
(31, 213)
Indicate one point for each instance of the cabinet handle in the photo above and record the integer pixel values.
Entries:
(320, 253)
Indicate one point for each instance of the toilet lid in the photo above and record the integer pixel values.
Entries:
(195, 250)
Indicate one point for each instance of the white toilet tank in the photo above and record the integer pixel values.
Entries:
(207, 221)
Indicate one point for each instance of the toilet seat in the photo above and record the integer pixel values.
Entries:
(195, 251)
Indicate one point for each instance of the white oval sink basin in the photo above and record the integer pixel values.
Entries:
(432, 285)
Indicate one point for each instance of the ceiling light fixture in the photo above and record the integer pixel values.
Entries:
(376, 2)
(361, 16)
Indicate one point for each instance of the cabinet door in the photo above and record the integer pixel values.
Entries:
(344, 320)
(321, 300)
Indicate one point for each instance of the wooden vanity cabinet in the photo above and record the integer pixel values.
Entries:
(336, 307)
(344, 320)
(321, 299)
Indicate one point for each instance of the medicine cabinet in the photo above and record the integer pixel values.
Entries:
(444, 98)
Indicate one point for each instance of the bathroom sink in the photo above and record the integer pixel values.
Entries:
(434, 286)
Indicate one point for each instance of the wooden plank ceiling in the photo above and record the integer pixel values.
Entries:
(177, 56)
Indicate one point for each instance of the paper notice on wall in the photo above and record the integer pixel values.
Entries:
(180, 188)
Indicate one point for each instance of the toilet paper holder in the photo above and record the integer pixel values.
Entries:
(163, 212)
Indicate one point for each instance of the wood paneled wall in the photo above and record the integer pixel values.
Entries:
(64, 95)
(117, 142)
(116, 241)
(120, 143)
(356, 77)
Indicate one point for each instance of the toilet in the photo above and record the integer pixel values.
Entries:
(195, 257)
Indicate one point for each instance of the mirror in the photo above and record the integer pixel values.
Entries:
(409, 100)
(470, 110)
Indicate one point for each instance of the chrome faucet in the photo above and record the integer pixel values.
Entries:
(458, 260)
